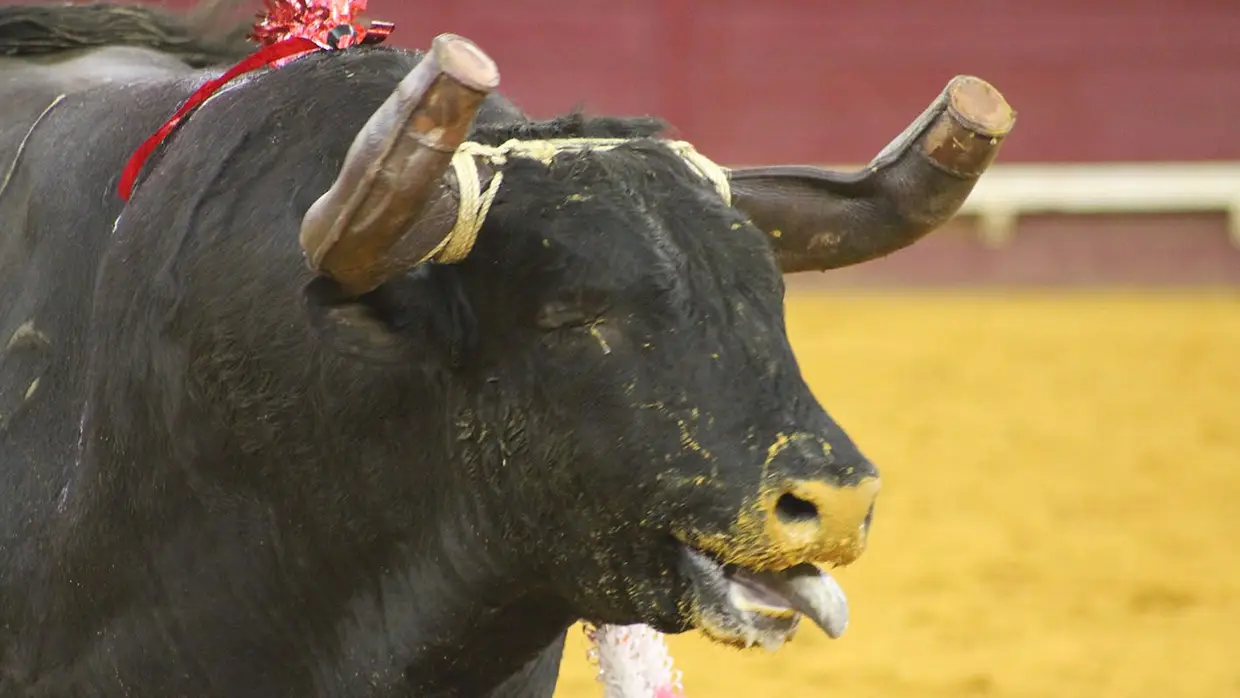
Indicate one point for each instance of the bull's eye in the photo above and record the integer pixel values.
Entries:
(577, 309)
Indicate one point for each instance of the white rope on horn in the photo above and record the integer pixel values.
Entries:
(711, 172)
(475, 202)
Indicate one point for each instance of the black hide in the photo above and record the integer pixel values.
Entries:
(213, 485)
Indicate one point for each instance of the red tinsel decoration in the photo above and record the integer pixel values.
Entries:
(328, 23)
(288, 29)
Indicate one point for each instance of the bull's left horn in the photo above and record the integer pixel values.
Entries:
(391, 185)
(822, 219)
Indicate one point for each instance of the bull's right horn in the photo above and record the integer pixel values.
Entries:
(391, 185)
(823, 219)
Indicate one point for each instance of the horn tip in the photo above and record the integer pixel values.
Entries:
(463, 61)
(980, 106)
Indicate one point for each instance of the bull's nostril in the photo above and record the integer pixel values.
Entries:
(792, 509)
(869, 516)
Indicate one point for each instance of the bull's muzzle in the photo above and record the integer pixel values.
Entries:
(751, 583)
(795, 521)
(816, 521)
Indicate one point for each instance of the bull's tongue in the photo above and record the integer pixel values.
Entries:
(805, 589)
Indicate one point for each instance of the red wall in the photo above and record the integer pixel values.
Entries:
(830, 81)
(824, 80)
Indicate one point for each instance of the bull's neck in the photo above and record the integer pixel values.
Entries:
(450, 607)
(489, 622)
(473, 614)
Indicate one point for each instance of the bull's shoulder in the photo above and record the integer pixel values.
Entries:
(72, 71)
(64, 139)
(28, 85)
(63, 143)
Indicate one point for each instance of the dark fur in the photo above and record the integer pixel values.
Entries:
(207, 495)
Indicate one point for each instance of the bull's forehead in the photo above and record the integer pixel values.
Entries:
(637, 218)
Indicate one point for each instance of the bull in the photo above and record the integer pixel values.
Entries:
(376, 385)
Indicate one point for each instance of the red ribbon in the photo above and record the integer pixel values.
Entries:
(265, 56)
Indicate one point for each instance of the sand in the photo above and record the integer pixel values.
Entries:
(1060, 514)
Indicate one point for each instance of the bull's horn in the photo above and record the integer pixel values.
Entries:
(392, 184)
(821, 219)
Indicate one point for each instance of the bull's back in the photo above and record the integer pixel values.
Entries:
(65, 134)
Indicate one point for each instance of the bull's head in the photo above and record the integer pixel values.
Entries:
(632, 366)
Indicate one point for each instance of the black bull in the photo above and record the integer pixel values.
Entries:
(235, 466)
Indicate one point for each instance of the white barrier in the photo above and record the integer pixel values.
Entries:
(1006, 192)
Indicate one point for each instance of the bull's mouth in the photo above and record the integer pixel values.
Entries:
(740, 607)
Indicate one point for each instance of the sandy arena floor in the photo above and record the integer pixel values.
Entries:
(1060, 515)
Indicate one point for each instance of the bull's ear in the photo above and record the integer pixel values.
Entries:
(358, 327)
(392, 205)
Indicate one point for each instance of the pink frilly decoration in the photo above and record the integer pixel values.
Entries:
(633, 662)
